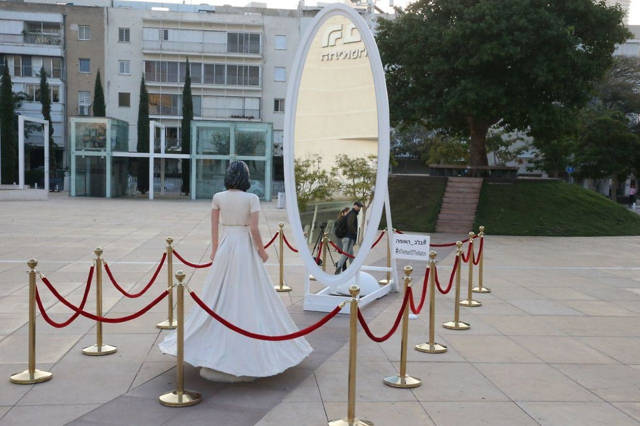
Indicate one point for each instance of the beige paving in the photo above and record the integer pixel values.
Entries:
(555, 343)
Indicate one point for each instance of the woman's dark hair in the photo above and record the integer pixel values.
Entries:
(343, 212)
(237, 176)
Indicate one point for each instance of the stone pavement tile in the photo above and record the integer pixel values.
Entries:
(512, 292)
(534, 382)
(150, 370)
(452, 382)
(599, 308)
(597, 326)
(295, 413)
(51, 415)
(491, 307)
(3, 411)
(391, 347)
(544, 307)
(332, 381)
(490, 349)
(382, 413)
(629, 305)
(562, 349)
(517, 325)
(613, 383)
(11, 322)
(49, 347)
(562, 293)
(631, 408)
(624, 349)
(478, 413)
(129, 410)
(11, 393)
(307, 391)
(576, 413)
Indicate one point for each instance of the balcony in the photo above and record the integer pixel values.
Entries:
(181, 47)
(231, 113)
(42, 38)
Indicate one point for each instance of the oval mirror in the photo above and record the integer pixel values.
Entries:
(336, 143)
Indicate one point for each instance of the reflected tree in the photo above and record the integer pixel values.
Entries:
(312, 182)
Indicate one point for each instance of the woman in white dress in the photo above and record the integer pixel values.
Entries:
(239, 289)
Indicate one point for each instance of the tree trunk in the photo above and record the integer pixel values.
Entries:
(614, 189)
(478, 151)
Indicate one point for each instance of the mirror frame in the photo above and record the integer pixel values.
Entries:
(291, 102)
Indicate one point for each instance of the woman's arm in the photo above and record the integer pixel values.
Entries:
(255, 234)
(215, 219)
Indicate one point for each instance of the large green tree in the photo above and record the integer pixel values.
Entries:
(8, 131)
(466, 65)
(187, 117)
(99, 108)
(45, 100)
(143, 138)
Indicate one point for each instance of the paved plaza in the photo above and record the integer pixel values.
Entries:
(557, 342)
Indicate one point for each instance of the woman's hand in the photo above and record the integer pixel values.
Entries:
(263, 255)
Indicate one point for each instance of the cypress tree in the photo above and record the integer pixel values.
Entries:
(45, 100)
(99, 108)
(187, 116)
(143, 138)
(8, 131)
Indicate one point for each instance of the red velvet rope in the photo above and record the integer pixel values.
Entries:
(73, 316)
(378, 240)
(476, 261)
(466, 258)
(449, 244)
(368, 332)
(398, 232)
(146, 287)
(272, 240)
(340, 251)
(288, 244)
(246, 333)
(423, 295)
(86, 314)
(193, 265)
(453, 274)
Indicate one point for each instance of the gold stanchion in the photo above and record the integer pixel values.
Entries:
(456, 324)
(170, 323)
(431, 347)
(282, 287)
(387, 280)
(469, 302)
(31, 375)
(351, 419)
(99, 349)
(481, 288)
(403, 380)
(325, 247)
(180, 397)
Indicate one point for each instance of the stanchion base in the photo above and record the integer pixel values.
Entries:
(187, 398)
(436, 348)
(481, 290)
(404, 382)
(355, 422)
(25, 378)
(95, 350)
(312, 278)
(166, 325)
(452, 325)
(384, 281)
(470, 303)
(284, 289)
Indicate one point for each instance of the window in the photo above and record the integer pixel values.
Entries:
(195, 71)
(280, 42)
(219, 77)
(56, 67)
(123, 35)
(171, 104)
(84, 102)
(85, 65)
(55, 94)
(84, 32)
(125, 67)
(243, 43)
(124, 99)
(279, 74)
(278, 105)
(164, 35)
(17, 66)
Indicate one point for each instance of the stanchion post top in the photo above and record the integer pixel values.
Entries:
(32, 263)
(169, 241)
(281, 225)
(433, 254)
(354, 290)
(408, 270)
(472, 234)
(481, 228)
(98, 251)
(180, 275)
(459, 244)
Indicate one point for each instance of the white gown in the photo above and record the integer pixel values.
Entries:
(238, 288)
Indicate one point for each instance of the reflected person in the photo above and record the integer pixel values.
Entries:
(351, 234)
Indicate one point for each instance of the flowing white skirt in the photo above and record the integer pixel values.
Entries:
(239, 289)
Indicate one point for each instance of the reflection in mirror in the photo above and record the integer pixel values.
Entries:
(336, 141)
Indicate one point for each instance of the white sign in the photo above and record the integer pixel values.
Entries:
(412, 247)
